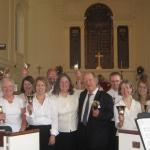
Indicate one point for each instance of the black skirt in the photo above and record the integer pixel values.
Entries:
(66, 141)
(44, 135)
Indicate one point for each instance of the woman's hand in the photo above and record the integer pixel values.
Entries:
(30, 109)
(2, 116)
(22, 128)
(52, 140)
(121, 120)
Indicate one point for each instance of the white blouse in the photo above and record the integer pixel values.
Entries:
(129, 115)
(67, 108)
(148, 105)
(22, 96)
(13, 112)
(45, 114)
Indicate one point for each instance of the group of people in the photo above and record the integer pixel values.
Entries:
(73, 117)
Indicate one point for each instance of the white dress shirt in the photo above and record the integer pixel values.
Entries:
(90, 103)
(13, 112)
(148, 105)
(50, 92)
(67, 108)
(114, 94)
(45, 114)
(129, 115)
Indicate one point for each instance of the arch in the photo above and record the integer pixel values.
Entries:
(98, 36)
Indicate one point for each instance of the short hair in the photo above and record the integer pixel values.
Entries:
(44, 80)
(50, 70)
(125, 81)
(115, 73)
(93, 74)
(56, 90)
(29, 79)
(100, 78)
(7, 79)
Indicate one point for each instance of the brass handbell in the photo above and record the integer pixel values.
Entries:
(96, 105)
(121, 109)
(26, 66)
(1, 111)
(30, 99)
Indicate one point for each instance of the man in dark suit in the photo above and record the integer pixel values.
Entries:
(94, 122)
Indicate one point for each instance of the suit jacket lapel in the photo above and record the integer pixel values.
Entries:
(81, 102)
(97, 96)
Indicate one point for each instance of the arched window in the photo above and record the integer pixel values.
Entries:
(99, 36)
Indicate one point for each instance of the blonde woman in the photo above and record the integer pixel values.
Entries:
(42, 114)
(132, 107)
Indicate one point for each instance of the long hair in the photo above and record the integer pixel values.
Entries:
(56, 90)
(147, 86)
(29, 79)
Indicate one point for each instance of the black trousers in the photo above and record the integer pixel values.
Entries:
(44, 136)
(112, 137)
(82, 137)
(84, 143)
(66, 141)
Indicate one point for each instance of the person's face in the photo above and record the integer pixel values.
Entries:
(28, 88)
(24, 72)
(126, 90)
(90, 82)
(78, 75)
(115, 81)
(7, 88)
(40, 87)
(142, 89)
(52, 76)
(64, 85)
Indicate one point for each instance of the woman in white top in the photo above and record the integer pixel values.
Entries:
(26, 88)
(132, 108)
(143, 94)
(12, 107)
(67, 104)
(41, 114)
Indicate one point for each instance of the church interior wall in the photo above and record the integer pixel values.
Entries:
(46, 33)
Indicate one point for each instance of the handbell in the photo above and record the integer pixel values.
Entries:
(30, 99)
(1, 109)
(96, 105)
(26, 66)
(121, 109)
